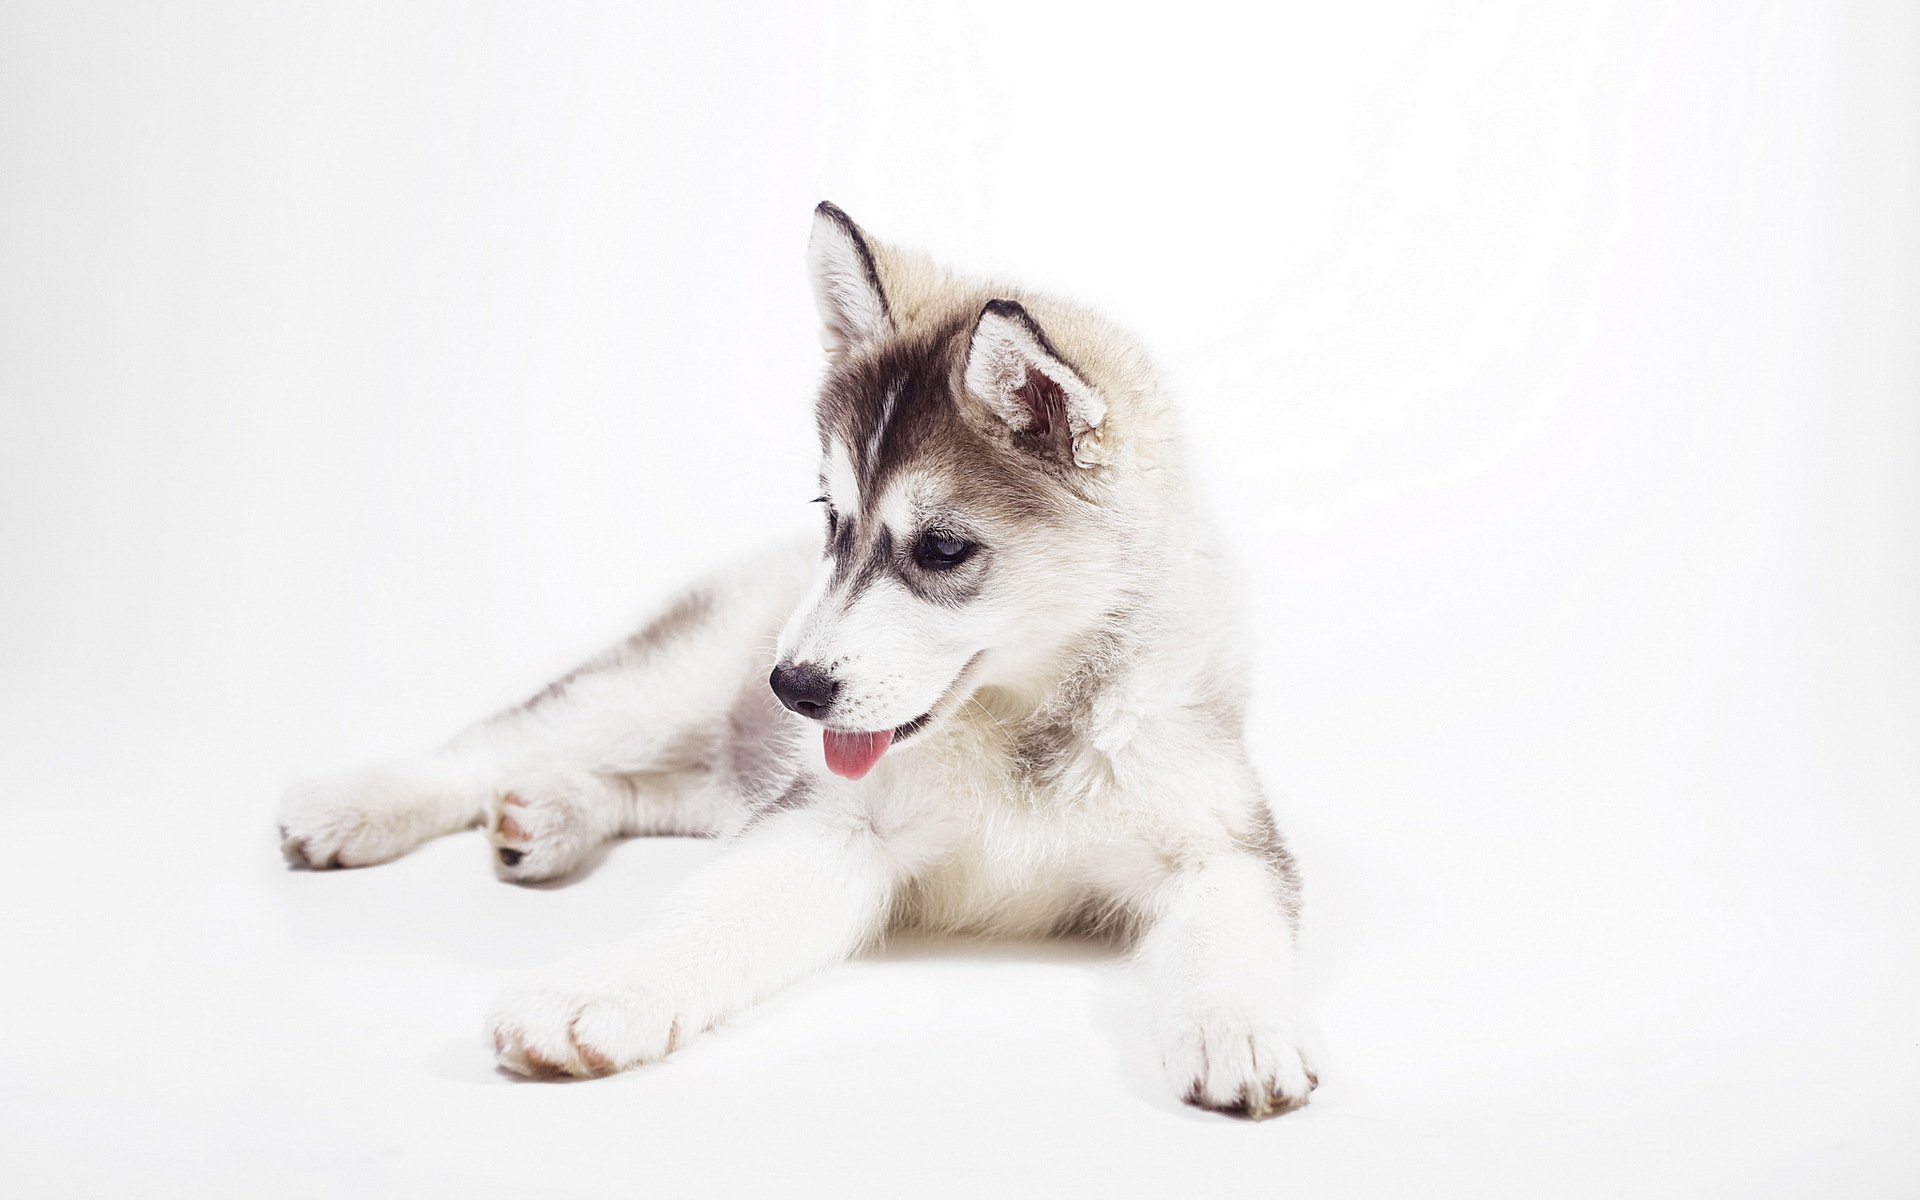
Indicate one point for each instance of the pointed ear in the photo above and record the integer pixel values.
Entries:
(1014, 369)
(846, 282)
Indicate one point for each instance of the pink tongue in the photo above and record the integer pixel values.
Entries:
(852, 755)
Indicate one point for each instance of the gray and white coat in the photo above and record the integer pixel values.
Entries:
(1006, 698)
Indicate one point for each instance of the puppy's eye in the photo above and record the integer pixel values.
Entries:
(833, 518)
(941, 551)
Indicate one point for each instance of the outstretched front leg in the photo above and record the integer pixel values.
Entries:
(800, 889)
(1218, 947)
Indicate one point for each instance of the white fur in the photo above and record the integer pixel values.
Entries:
(842, 489)
(809, 888)
(1137, 813)
(852, 311)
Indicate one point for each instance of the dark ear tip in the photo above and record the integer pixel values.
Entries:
(1009, 310)
(832, 211)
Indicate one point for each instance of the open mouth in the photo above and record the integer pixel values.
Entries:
(912, 727)
(852, 755)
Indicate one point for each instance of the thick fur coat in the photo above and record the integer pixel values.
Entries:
(1006, 698)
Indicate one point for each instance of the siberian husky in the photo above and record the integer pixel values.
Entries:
(1006, 699)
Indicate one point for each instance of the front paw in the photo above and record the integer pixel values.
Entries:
(1253, 1065)
(582, 1028)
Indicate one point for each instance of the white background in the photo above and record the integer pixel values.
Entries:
(1555, 370)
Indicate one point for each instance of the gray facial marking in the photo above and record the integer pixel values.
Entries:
(901, 406)
(839, 536)
(878, 560)
(888, 406)
(871, 459)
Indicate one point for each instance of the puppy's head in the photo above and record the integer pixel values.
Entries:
(972, 488)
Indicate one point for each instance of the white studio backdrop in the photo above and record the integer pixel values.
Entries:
(1554, 369)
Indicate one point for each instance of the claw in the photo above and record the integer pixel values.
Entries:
(1256, 1104)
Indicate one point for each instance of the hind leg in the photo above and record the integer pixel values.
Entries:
(623, 745)
(371, 815)
(544, 818)
(544, 824)
(610, 752)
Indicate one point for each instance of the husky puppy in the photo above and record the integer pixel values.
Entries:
(1007, 699)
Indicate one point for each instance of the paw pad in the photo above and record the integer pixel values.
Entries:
(542, 827)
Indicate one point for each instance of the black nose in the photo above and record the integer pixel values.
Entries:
(805, 689)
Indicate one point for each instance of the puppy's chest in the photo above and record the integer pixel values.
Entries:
(1013, 859)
